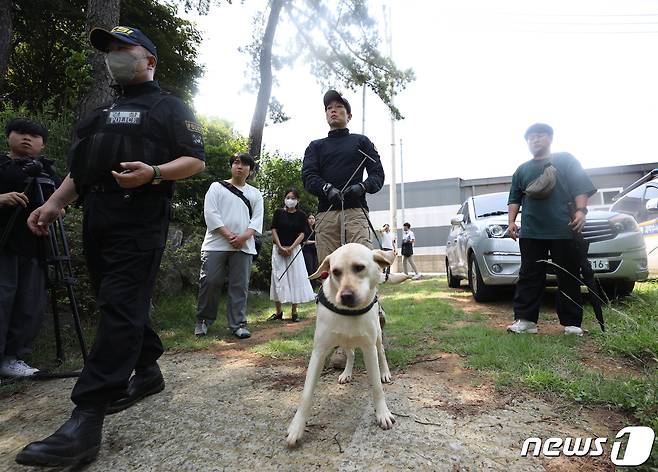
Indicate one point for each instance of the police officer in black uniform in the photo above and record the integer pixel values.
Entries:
(123, 163)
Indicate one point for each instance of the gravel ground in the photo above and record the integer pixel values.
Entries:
(229, 410)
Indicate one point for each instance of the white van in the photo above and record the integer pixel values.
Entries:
(640, 199)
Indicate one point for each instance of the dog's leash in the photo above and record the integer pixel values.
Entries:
(329, 209)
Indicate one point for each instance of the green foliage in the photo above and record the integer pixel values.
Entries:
(632, 324)
(340, 44)
(48, 63)
(275, 176)
(58, 122)
(177, 41)
(221, 142)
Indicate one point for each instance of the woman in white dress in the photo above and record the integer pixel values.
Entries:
(289, 283)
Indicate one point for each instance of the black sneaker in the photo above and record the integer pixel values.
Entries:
(242, 333)
(275, 316)
(295, 318)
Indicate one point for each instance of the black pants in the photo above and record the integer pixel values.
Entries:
(532, 280)
(22, 302)
(123, 241)
(387, 269)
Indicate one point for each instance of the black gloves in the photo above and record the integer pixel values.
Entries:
(354, 192)
(332, 193)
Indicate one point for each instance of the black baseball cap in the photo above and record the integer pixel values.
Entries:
(333, 96)
(101, 38)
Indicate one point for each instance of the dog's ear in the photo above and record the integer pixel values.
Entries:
(324, 267)
(383, 258)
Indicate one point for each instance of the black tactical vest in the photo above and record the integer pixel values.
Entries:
(120, 133)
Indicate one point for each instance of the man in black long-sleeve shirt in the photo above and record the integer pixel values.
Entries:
(328, 164)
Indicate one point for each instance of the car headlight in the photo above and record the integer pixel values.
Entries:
(497, 231)
(624, 223)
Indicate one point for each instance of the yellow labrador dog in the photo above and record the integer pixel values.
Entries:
(347, 316)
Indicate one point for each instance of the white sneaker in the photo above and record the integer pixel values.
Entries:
(573, 330)
(16, 368)
(416, 277)
(523, 326)
(201, 328)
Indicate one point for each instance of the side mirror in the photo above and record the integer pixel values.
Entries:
(457, 220)
(652, 205)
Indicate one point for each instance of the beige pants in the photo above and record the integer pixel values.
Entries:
(406, 261)
(327, 230)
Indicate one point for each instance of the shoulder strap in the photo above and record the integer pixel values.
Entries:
(238, 193)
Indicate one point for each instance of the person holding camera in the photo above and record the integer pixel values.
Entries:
(123, 163)
(22, 275)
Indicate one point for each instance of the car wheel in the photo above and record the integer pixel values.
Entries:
(453, 282)
(617, 288)
(481, 291)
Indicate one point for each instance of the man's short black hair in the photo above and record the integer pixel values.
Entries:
(245, 158)
(25, 126)
(538, 128)
(407, 225)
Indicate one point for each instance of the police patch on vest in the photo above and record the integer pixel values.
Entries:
(194, 127)
(124, 118)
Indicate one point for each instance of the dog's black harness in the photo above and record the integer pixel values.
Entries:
(345, 312)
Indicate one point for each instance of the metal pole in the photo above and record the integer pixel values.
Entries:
(363, 103)
(402, 184)
(393, 182)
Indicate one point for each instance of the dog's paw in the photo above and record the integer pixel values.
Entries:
(385, 418)
(386, 377)
(295, 433)
(292, 440)
(344, 378)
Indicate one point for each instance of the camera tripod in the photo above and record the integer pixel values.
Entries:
(53, 253)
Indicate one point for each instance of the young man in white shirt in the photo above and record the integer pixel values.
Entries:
(229, 247)
(389, 243)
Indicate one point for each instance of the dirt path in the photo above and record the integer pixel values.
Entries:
(228, 409)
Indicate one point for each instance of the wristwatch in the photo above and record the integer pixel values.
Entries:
(157, 177)
(583, 210)
(326, 187)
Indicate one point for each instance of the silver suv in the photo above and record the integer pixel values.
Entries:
(479, 249)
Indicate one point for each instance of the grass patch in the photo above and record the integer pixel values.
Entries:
(420, 323)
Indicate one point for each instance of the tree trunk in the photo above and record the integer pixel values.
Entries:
(103, 14)
(265, 88)
(5, 40)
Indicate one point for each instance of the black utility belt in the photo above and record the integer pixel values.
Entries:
(161, 189)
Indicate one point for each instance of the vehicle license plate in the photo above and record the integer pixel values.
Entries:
(599, 264)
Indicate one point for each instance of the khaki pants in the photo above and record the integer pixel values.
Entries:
(327, 230)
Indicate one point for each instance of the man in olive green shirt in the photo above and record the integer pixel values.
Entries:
(548, 227)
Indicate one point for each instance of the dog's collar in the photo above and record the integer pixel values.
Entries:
(321, 299)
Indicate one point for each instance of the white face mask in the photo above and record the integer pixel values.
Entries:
(291, 202)
(122, 66)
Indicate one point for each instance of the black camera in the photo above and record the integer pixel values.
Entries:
(31, 167)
